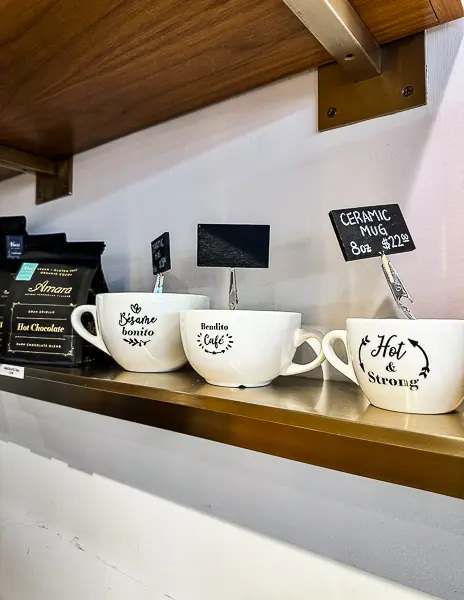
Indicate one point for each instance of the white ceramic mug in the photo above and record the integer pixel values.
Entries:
(404, 366)
(245, 347)
(140, 331)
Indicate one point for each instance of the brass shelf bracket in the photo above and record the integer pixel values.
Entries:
(366, 81)
(53, 177)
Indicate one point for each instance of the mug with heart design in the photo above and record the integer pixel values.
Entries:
(141, 331)
(411, 366)
(246, 348)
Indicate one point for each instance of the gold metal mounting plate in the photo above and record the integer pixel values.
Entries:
(54, 177)
(402, 85)
(51, 187)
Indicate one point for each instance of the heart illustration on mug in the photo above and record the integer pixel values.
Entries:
(135, 308)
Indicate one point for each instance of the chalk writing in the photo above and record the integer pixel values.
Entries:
(368, 231)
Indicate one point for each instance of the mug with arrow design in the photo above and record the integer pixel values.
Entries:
(405, 366)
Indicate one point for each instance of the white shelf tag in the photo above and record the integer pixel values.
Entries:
(12, 371)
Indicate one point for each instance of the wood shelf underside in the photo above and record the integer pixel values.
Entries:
(75, 74)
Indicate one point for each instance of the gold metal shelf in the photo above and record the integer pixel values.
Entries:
(329, 424)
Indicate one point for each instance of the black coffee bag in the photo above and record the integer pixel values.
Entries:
(12, 232)
(9, 262)
(48, 285)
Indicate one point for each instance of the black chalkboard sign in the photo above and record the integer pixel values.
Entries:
(368, 231)
(241, 246)
(161, 254)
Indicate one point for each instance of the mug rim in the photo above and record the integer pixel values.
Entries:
(227, 311)
(427, 321)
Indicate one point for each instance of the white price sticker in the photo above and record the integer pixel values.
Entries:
(12, 371)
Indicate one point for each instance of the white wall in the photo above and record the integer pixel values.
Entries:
(142, 513)
(256, 158)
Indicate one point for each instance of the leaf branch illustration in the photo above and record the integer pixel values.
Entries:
(364, 342)
(136, 342)
(426, 369)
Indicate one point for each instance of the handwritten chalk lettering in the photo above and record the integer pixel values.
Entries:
(161, 254)
(357, 250)
(159, 243)
(395, 241)
(368, 231)
(357, 217)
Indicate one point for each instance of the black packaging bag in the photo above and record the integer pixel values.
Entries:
(9, 263)
(12, 232)
(49, 283)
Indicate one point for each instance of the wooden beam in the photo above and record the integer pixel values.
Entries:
(78, 73)
(447, 10)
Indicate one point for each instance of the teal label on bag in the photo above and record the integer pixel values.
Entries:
(26, 271)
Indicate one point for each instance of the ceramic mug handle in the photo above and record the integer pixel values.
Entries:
(327, 347)
(76, 320)
(314, 339)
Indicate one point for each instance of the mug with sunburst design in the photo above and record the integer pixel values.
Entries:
(246, 348)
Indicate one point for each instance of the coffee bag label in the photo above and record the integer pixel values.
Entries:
(40, 321)
(26, 271)
(14, 245)
(37, 329)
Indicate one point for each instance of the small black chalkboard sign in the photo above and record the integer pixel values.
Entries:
(240, 246)
(368, 231)
(161, 254)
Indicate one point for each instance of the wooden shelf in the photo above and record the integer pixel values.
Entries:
(328, 424)
(78, 73)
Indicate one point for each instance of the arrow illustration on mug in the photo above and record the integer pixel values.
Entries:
(364, 342)
(425, 370)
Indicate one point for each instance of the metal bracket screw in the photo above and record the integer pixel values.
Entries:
(331, 112)
(408, 91)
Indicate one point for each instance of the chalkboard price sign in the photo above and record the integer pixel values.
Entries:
(245, 246)
(370, 230)
(161, 254)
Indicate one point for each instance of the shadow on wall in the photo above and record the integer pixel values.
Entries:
(405, 535)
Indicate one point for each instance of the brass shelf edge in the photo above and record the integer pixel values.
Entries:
(327, 424)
